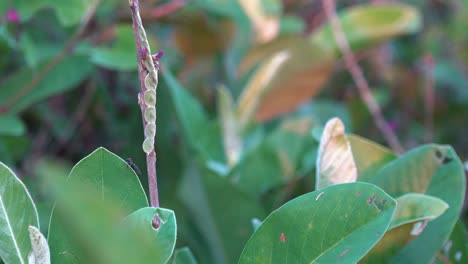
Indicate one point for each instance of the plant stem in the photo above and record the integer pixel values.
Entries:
(145, 67)
(358, 77)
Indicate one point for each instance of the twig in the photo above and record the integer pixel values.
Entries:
(166, 9)
(429, 96)
(69, 46)
(148, 77)
(358, 77)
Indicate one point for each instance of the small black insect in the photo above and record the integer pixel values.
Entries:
(133, 166)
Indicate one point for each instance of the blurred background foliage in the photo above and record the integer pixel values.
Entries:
(68, 84)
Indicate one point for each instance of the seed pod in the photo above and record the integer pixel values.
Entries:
(150, 97)
(150, 130)
(150, 114)
(148, 145)
(150, 82)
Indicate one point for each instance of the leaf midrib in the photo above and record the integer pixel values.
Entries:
(15, 243)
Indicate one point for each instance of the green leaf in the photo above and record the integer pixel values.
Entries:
(40, 253)
(99, 235)
(221, 211)
(184, 256)
(121, 55)
(199, 131)
(340, 223)
(335, 162)
(69, 12)
(64, 76)
(11, 125)
(413, 207)
(162, 239)
(113, 178)
(430, 170)
(367, 25)
(17, 213)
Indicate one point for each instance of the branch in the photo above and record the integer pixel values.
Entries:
(166, 9)
(358, 77)
(429, 96)
(148, 74)
(69, 46)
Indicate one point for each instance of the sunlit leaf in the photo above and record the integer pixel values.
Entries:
(335, 162)
(40, 253)
(413, 207)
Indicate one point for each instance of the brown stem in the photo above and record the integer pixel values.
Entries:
(142, 55)
(69, 46)
(358, 77)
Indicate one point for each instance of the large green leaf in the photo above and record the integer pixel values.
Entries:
(368, 25)
(66, 75)
(96, 229)
(114, 180)
(162, 239)
(203, 135)
(121, 56)
(11, 125)
(221, 211)
(430, 170)
(17, 213)
(414, 207)
(340, 223)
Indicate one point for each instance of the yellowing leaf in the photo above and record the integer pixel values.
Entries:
(231, 131)
(286, 79)
(335, 162)
(266, 26)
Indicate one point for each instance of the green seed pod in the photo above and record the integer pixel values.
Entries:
(148, 145)
(150, 82)
(150, 114)
(150, 97)
(150, 130)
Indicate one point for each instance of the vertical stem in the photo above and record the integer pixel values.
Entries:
(145, 67)
(429, 96)
(358, 77)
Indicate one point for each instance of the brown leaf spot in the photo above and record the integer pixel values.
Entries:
(309, 226)
(358, 194)
(283, 238)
